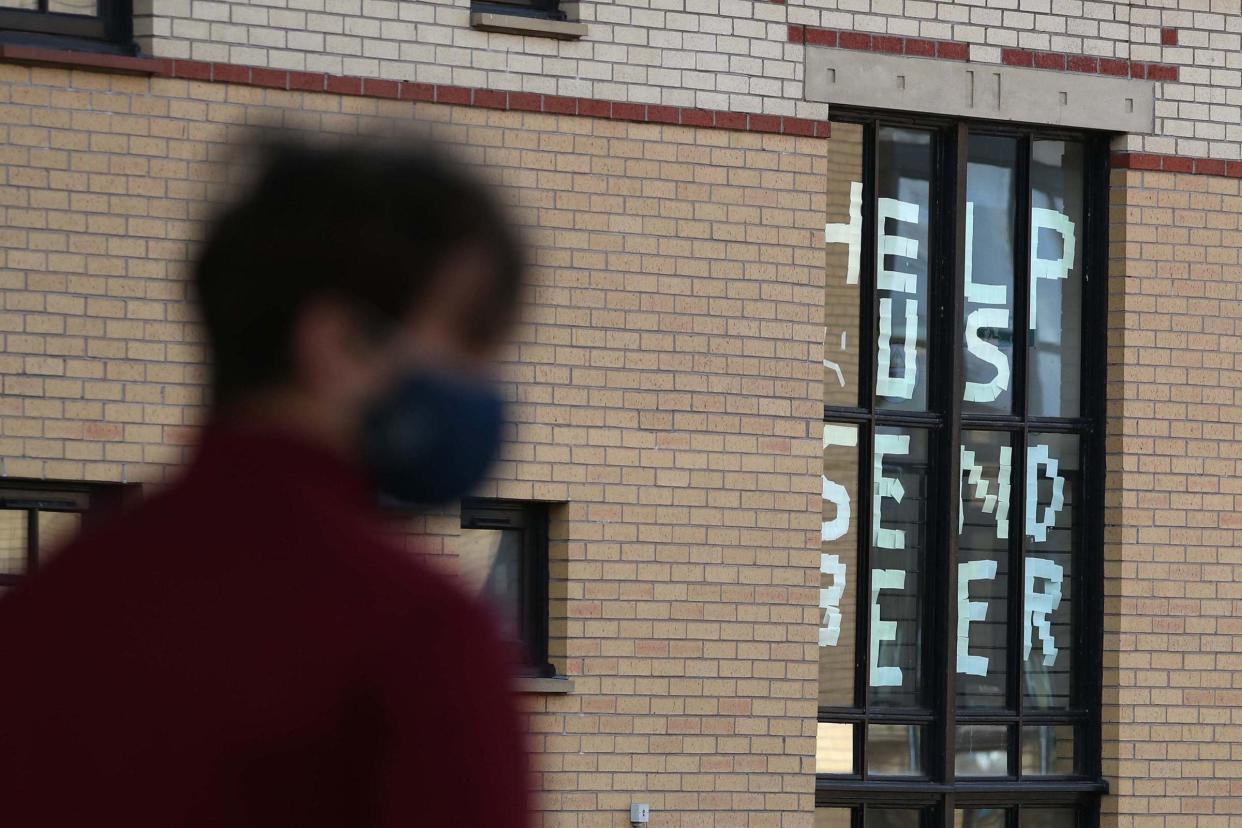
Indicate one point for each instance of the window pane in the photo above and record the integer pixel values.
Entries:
(28, 5)
(490, 561)
(88, 7)
(1048, 750)
(899, 516)
(834, 747)
(838, 566)
(979, 817)
(894, 750)
(982, 750)
(832, 817)
(1053, 487)
(1055, 305)
(891, 818)
(991, 215)
(843, 235)
(12, 541)
(983, 568)
(55, 530)
(904, 163)
(1047, 818)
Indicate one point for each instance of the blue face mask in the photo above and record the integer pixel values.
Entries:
(432, 438)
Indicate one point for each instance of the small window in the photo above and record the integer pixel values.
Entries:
(67, 23)
(37, 518)
(503, 554)
(547, 9)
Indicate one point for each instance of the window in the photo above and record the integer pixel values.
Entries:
(37, 518)
(549, 9)
(67, 23)
(502, 553)
(960, 662)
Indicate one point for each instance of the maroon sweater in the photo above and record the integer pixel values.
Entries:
(245, 650)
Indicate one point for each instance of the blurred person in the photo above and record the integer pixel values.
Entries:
(246, 648)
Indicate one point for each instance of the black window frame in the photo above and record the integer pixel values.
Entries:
(531, 519)
(543, 9)
(111, 29)
(938, 791)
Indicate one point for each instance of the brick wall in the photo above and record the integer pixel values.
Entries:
(720, 54)
(1174, 519)
(667, 389)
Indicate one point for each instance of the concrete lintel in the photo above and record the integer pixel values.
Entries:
(979, 90)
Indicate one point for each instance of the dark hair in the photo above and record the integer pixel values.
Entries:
(367, 223)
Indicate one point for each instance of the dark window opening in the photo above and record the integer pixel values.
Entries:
(502, 553)
(547, 9)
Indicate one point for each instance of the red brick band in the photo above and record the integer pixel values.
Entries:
(421, 92)
(956, 50)
(1176, 163)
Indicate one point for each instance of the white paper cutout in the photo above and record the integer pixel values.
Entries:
(1039, 606)
(895, 245)
(1059, 268)
(988, 352)
(829, 363)
(1037, 456)
(997, 504)
(849, 233)
(830, 600)
(967, 611)
(980, 293)
(887, 385)
(882, 630)
(883, 487)
(833, 492)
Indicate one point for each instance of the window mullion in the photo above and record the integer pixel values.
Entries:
(952, 220)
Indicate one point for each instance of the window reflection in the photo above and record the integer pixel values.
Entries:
(982, 750)
(903, 183)
(980, 817)
(1048, 750)
(490, 563)
(991, 208)
(834, 747)
(1053, 486)
(899, 517)
(838, 566)
(983, 568)
(12, 541)
(891, 818)
(56, 529)
(833, 817)
(1055, 304)
(894, 750)
(843, 237)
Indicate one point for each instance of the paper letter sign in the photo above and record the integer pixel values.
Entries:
(830, 600)
(997, 504)
(883, 630)
(1058, 268)
(849, 234)
(883, 487)
(967, 611)
(834, 492)
(1039, 606)
(1037, 456)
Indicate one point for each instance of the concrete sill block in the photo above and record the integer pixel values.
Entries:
(517, 24)
(545, 686)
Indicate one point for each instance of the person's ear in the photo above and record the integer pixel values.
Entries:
(332, 358)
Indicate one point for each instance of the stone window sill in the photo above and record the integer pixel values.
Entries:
(68, 59)
(521, 25)
(545, 686)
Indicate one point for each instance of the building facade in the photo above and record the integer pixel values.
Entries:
(875, 455)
